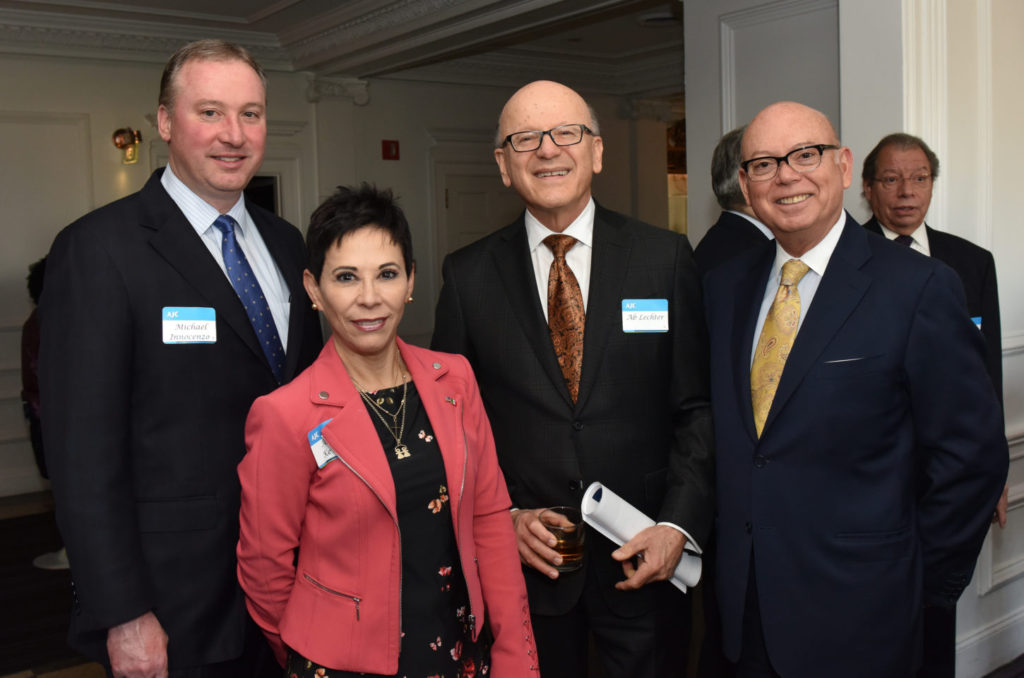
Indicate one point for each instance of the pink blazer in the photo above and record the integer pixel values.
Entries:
(340, 604)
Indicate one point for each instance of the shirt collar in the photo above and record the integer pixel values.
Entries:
(200, 213)
(817, 257)
(582, 228)
(919, 236)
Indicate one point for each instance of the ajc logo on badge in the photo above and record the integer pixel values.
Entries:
(189, 325)
(645, 315)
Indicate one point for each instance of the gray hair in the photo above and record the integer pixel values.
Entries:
(725, 166)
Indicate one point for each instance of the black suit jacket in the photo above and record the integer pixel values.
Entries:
(977, 271)
(641, 424)
(143, 437)
(872, 485)
(730, 235)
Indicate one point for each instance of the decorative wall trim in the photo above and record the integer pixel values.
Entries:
(337, 88)
(926, 78)
(991, 645)
(28, 32)
(730, 22)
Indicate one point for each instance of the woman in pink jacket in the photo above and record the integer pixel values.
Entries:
(375, 529)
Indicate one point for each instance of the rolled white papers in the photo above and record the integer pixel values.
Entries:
(617, 519)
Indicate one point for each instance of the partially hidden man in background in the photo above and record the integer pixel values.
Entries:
(737, 229)
(165, 315)
(575, 395)
(897, 181)
(860, 445)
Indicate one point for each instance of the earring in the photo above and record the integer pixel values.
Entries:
(409, 300)
(315, 307)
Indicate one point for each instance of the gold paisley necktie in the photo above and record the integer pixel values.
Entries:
(776, 341)
(566, 318)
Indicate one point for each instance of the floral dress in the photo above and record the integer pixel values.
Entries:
(436, 632)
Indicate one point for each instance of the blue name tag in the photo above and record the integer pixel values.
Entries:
(977, 321)
(322, 452)
(188, 325)
(645, 315)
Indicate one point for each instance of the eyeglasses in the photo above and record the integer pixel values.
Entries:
(890, 182)
(563, 135)
(803, 159)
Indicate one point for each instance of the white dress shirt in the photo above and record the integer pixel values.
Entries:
(920, 237)
(202, 214)
(817, 259)
(578, 258)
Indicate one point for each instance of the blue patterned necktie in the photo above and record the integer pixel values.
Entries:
(248, 289)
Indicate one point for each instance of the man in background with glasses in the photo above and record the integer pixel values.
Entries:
(898, 177)
(859, 442)
(586, 332)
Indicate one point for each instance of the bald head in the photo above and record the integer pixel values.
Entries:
(799, 207)
(542, 91)
(553, 180)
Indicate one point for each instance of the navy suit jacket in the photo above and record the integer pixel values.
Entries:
(977, 271)
(142, 437)
(641, 424)
(872, 485)
(730, 235)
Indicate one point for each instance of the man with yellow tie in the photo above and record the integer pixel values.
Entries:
(860, 449)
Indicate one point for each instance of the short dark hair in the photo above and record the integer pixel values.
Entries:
(725, 166)
(202, 50)
(349, 210)
(903, 142)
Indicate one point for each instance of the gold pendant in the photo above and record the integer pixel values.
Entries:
(401, 451)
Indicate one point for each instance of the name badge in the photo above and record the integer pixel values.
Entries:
(977, 321)
(189, 325)
(645, 315)
(322, 452)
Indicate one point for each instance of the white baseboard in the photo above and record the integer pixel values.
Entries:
(991, 646)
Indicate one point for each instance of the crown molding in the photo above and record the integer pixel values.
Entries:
(41, 33)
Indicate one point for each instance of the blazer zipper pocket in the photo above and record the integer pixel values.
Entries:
(354, 599)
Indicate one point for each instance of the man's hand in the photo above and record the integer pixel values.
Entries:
(535, 542)
(1000, 515)
(658, 550)
(138, 648)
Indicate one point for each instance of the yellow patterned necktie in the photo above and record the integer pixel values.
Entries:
(776, 340)
(566, 318)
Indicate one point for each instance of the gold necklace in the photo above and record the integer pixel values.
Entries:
(395, 429)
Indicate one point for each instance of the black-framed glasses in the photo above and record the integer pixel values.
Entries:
(530, 140)
(890, 182)
(803, 159)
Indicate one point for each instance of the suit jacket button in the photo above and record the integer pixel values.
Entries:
(577, 426)
(760, 461)
(575, 485)
(748, 527)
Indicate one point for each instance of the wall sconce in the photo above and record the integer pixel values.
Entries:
(128, 140)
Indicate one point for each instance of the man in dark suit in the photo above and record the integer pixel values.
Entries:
(737, 229)
(628, 408)
(150, 361)
(860, 446)
(898, 177)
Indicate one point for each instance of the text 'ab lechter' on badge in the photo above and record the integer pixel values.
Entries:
(645, 315)
(322, 452)
(189, 325)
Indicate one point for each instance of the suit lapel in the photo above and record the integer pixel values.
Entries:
(177, 242)
(608, 266)
(351, 432)
(749, 293)
(840, 290)
(512, 261)
(291, 271)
